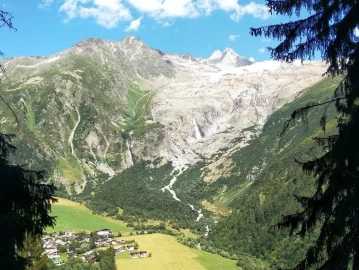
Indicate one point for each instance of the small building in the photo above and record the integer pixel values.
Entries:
(46, 238)
(88, 256)
(101, 243)
(108, 240)
(51, 253)
(143, 254)
(49, 245)
(119, 249)
(104, 232)
(68, 234)
(86, 239)
(66, 238)
(60, 242)
(130, 247)
(134, 255)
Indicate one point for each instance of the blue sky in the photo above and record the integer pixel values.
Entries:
(198, 27)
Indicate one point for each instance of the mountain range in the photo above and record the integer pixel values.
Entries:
(121, 125)
(100, 105)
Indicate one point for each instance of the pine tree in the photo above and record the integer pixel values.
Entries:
(334, 207)
(32, 251)
(25, 201)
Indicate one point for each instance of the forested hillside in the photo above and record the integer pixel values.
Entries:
(136, 195)
(264, 181)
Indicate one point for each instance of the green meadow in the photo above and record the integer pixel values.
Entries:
(168, 253)
(74, 216)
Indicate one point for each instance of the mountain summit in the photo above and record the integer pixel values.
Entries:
(227, 59)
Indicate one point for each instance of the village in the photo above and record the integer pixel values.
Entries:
(63, 245)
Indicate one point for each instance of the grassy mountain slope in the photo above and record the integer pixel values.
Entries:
(76, 117)
(71, 215)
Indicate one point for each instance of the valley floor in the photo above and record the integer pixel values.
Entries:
(167, 253)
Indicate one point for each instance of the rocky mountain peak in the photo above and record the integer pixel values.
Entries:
(132, 40)
(188, 56)
(229, 50)
(89, 42)
(215, 55)
(134, 45)
(227, 59)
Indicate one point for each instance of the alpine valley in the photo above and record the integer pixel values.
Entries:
(140, 134)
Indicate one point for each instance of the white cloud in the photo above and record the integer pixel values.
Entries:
(256, 10)
(261, 50)
(233, 37)
(134, 25)
(160, 9)
(45, 3)
(107, 13)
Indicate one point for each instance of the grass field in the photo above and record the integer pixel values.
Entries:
(167, 253)
(74, 216)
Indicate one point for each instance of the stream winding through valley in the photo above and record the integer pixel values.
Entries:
(169, 188)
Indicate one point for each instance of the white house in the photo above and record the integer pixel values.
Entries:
(143, 254)
(104, 232)
(51, 253)
(119, 249)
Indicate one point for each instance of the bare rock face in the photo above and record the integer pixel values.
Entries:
(100, 106)
(209, 111)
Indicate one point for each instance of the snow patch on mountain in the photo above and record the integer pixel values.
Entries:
(227, 59)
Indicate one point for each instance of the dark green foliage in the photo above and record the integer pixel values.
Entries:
(74, 263)
(333, 207)
(61, 249)
(32, 252)
(107, 259)
(25, 203)
(137, 191)
(190, 185)
(259, 197)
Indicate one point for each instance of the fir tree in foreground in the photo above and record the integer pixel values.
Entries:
(334, 207)
(25, 202)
